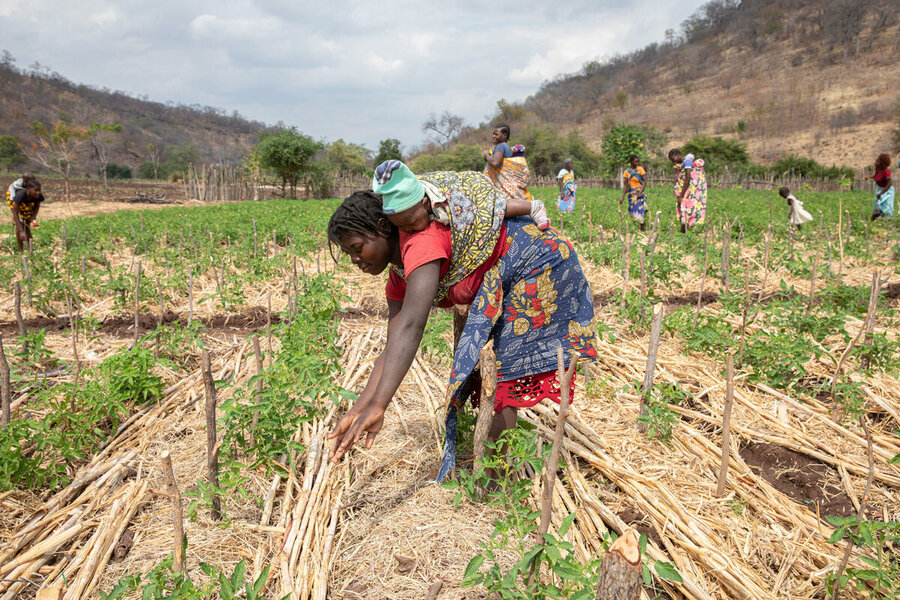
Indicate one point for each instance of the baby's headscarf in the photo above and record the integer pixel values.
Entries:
(518, 150)
(399, 188)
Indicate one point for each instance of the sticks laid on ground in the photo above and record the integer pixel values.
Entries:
(177, 514)
(212, 449)
(5, 392)
(485, 407)
(655, 331)
(565, 377)
(726, 425)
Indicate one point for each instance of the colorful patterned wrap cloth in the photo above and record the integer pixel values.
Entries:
(475, 210)
(533, 300)
(691, 209)
(511, 177)
(566, 201)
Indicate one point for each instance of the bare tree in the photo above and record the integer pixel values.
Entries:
(153, 155)
(101, 143)
(444, 128)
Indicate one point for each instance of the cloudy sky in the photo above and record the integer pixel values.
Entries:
(358, 70)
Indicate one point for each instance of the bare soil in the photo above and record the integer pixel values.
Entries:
(801, 478)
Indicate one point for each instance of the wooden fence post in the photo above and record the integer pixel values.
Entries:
(212, 448)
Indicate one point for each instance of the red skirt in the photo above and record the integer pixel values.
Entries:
(528, 391)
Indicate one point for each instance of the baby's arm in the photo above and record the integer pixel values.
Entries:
(517, 208)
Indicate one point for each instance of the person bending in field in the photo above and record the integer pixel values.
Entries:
(797, 215)
(884, 191)
(24, 198)
(508, 172)
(430, 199)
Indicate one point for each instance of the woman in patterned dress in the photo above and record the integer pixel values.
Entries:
(690, 189)
(24, 198)
(635, 180)
(529, 295)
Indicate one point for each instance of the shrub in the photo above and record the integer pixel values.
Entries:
(618, 144)
(114, 171)
(717, 152)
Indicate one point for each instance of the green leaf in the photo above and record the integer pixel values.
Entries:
(837, 536)
(349, 395)
(566, 571)
(647, 575)
(642, 543)
(667, 571)
(473, 566)
(566, 523)
(585, 594)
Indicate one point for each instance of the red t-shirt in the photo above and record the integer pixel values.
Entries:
(433, 243)
(882, 177)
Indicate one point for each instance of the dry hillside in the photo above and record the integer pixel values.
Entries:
(37, 93)
(806, 78)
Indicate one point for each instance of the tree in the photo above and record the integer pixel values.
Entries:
(288, 153)
(100, 144)
(56, 148)
(114, 171)
(444, 128)
(153, 156)
(11, 155)
(344, 157)
(388, 149)
(618, 144)
(461, 157)
(717, 151)
(178, 159)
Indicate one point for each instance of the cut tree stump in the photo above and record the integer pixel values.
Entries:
(620, 570)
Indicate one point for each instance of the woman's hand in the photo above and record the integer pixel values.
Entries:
(369, 419)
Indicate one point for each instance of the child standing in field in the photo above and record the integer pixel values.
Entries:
(797, 215)
(24, 198)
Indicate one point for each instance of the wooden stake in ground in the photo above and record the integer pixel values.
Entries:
(17, 291)
(745, 313)
(652, 350)
(212, 449)
(726, 242)
(5, 391)
(269, 324)
(488, 364)
(590, 228)
(259, 384)
(702, 276)
(626, 264)
(870, 315)
(762, 288)
(190, 294)
(812, 283)
(177, 514)
(620, 570)
(73, 326)
(726, 425)
(137, 303)
(565, 377)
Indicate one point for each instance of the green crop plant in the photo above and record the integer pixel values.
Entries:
(297, 386)
(162, 582)
(880, 580)
(659, 418)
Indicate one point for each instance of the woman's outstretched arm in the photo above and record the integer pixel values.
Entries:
(405, 328)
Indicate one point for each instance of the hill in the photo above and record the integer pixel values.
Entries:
(203, 133)
(815, 79)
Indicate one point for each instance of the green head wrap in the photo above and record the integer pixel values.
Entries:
(399, 188)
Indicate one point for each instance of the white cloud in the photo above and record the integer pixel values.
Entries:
(345, 68)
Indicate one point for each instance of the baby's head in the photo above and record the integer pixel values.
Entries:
(784, 192)
(518, 150)
(412, 219)
(403, 196)
(675, 156)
